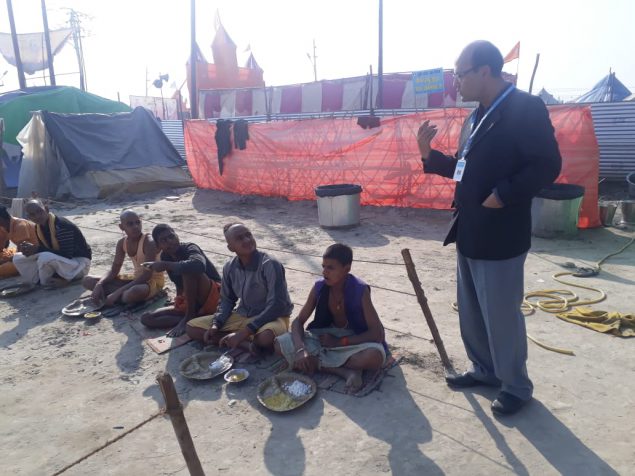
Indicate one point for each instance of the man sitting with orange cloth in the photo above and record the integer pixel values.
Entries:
(17, 231)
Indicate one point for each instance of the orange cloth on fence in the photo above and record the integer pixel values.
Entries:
(290, 158)
(210, 305)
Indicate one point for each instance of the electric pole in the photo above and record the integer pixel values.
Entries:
(77, 41)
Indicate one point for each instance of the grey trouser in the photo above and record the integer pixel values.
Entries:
(489, 295)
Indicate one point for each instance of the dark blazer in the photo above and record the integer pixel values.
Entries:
(514, 153)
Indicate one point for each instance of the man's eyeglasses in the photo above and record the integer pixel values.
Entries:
(462, 74)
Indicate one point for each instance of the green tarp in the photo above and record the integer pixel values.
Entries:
(16, 108)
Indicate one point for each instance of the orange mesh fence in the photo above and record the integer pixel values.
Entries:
(290, 158)
(580, 156)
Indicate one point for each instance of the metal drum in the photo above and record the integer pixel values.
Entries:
(338, 205)
(628, 211)
(555, 210)
(607, 212)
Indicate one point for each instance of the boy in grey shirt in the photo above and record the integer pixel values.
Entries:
(255, 281)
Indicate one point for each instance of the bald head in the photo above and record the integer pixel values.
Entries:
(36, 212)
(34, 205)
(239, 239)
(128, 215)
(130, 223)
(483, 53)
(230, 228)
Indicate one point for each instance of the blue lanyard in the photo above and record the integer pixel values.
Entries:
(496, 103)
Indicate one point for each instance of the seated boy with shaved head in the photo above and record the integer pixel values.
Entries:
(255, 281)
(61, 254)
(195, 277)
(144, 284)
(346, 336)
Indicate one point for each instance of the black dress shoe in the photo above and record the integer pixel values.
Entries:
(464, 380)
(507, 404)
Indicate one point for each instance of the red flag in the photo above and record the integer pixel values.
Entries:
(513, 54)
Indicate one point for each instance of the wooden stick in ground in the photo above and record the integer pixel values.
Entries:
(423, 302)
(174, 409)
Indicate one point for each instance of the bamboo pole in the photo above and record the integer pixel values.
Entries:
(423, 302)
(47, 40)
(174, 409)
(16, 46)
(533, 74)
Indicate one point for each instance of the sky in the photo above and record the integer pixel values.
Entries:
(578, 41)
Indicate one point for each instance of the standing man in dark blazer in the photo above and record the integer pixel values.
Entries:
(507, 153)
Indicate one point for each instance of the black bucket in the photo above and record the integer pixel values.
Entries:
(337, 190)
(561, 191)
(555, 210)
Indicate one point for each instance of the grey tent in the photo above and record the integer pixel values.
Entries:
(96, 155)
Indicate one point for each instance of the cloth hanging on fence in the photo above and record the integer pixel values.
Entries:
(223, 141)
(241, 134)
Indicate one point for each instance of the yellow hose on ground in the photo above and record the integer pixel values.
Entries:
(561, 300)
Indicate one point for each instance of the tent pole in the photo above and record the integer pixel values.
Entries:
(193, 60)
(533, 74)
(380, 62)
(47, 40)
(16, 47)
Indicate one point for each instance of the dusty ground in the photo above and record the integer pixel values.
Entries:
(68, 387)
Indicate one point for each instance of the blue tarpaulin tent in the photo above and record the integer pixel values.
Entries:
(609, 89)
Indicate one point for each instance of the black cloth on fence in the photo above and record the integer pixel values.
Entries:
(223, 141)
(368, 122)
(241, 134)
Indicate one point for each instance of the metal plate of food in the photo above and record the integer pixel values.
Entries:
(81, 306)
(205, 365)
(236, 375)
(286, 391)
(16, 289)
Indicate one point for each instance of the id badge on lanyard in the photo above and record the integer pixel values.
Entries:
(459, 170)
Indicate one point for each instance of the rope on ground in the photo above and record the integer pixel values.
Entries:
(287, 267)
(278, 250)
(108, 443)
(562, 300)
(223, 239)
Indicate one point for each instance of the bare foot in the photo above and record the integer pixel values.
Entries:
(56, 283)
(254, 350)
(354, 380)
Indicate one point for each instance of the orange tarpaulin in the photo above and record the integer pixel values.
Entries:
(290, 158)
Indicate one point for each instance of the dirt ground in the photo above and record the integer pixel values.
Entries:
(69, 386)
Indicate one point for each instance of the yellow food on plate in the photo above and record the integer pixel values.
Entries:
(280, 401)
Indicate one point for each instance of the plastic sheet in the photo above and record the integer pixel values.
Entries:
(290, 158)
